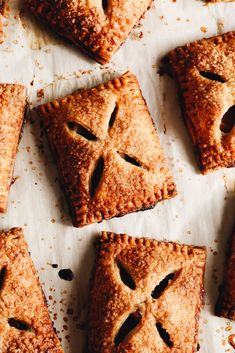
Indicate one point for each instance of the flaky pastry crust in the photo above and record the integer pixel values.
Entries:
(25, 325)
(97, 27)
(205, 73)
(164, 293)
(3, 6)
(226, 303)
(107, 151)
(12, 109)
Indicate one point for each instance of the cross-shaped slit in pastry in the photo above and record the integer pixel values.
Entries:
(96, 175)
(107, 151)
(205, 73)
(25, 322)
(98, 28)
(146, 296)
(134, 319)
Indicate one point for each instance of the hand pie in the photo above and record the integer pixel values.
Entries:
(226, 303)
(12, 109)
(107, 151)
(205, 73)
(25, 325)
(146, 296)
(98, 27)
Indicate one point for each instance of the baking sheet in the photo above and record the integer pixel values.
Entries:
(203, 211)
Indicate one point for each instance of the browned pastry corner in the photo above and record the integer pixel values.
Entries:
(146, 296)
(226, 303)
(97, 27)
(107, 151)
(25, 325)
(3, 6)
(205, 73)
(12, 109)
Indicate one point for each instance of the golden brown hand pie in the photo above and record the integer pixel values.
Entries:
(25, 325)
(97, 27)
(226, 303)
(107, 151)
(12, 109)
(205, 73)
(146, 296)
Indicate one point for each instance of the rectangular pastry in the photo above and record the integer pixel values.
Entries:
(226, 303)
(12, 110)
(25, 325)
(107, 151)
(146, 296)
(205, 73)
(98, 27)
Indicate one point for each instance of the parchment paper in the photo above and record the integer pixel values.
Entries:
(201, 214)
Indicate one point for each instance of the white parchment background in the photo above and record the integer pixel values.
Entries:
(201, 214)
